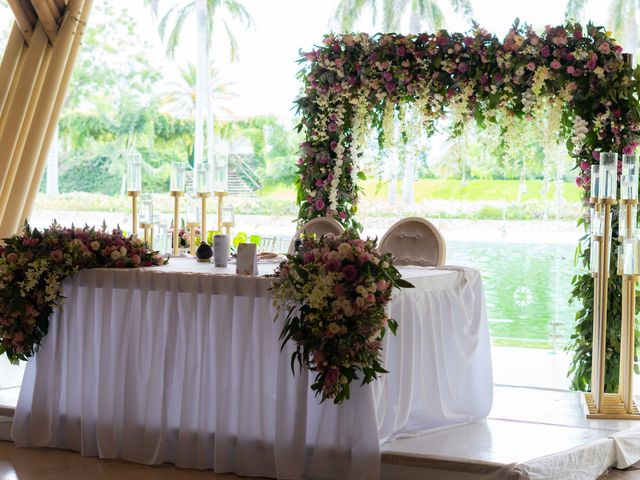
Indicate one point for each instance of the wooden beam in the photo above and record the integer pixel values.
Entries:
(55, 11)
(62, 6)
(9, 66)
(47, 107)
(47, 19)
(26, 27)
(29, 12)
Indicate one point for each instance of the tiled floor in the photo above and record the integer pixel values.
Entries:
(50, 464)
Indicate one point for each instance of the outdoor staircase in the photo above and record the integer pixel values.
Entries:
(238, 187)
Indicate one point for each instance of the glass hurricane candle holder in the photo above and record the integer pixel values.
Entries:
(146, 209)
(597, 222)
(134, 172)
(193, 209)
(228, 216)
(608, 175)
(629, 177)
(594, 258)
(595, 182)
(221, 173)
(631, 257)
(178, 174)
(203, 178)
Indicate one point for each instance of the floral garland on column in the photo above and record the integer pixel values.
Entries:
(33, 266)
(578, 68)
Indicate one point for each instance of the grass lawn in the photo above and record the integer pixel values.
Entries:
(447, 189)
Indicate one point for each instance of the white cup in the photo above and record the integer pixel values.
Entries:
(220, 250)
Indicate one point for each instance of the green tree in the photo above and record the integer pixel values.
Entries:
(209, 14)
(181, 96)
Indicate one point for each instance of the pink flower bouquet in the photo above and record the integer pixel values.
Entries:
(33, 266)
(334, 291)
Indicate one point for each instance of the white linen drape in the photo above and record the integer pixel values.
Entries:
(163, 365)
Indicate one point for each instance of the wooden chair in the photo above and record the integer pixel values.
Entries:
(414, 241)
(317, 226)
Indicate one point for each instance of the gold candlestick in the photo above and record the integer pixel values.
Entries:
(148, 237)
(134, 201)
(203, 223)
(227, 226)
(176, 220)
(220, 196)
(192, 237)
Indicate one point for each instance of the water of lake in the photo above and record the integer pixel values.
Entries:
(527, 288)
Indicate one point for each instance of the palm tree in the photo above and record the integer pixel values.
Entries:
(622, 20)
(424, 14)
(181, 98)
(209, 14)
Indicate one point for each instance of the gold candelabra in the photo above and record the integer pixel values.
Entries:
(620, 404)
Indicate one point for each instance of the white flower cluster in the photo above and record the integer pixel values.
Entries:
(32, 276)
(579, 133)
(529, 101)
(337, 171)
(539, 77)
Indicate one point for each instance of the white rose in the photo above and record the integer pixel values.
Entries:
(115, 255)
(123, 251)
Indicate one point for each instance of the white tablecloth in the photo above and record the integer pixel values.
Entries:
(176, 364)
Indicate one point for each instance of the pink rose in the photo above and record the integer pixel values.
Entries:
(584, 165)
(545, 51)
(338, 291)
(56, 255)
(381, 285)
(12, 257)
(309, 257)
(629, 149)
(531, 66)
(604, 48)
(159, 259)
(319, 204)
(332, 265)
(136, 260)
(350, 273)
(556, 65)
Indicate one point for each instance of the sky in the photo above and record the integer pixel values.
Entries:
(264, 76)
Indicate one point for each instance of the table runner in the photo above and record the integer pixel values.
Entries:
(176, 364)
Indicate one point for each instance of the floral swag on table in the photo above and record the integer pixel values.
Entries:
(33, 265)
(572, 77)
(334, 291)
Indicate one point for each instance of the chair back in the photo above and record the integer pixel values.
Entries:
(414, 241)
(316, 226)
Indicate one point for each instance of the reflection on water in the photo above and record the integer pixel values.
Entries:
(527, 287)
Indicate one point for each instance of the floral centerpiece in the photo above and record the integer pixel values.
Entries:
(33, 265)
(334, 291)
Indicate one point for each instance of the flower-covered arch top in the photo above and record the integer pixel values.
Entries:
(355, 82)
(575, 77)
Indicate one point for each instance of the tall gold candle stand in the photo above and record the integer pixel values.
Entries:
(220, 196)
(611, 405)
(176, 220)
(192, 237)
(134, 207)
(203, 222)
(627, 333)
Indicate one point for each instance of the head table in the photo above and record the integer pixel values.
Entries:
(182, 364)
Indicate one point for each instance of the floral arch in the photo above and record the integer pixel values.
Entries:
(575, 76)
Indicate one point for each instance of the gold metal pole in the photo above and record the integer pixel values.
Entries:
(134, 208)
(192, 237)
(604, 289)
(147, 229)
(176, 221)
(220, 196)
(203, 222)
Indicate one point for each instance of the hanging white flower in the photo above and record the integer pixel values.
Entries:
(579, 133)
